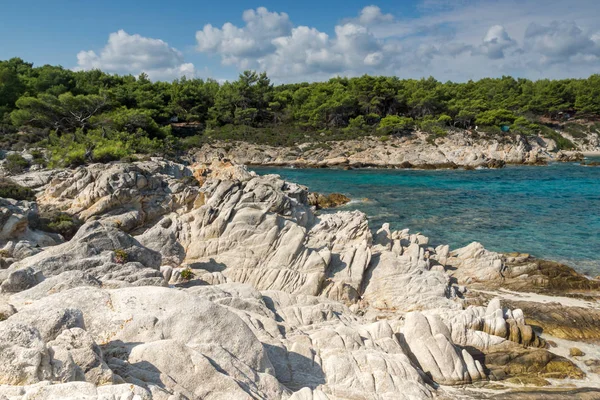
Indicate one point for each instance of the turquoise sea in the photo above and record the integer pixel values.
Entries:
(551, 212)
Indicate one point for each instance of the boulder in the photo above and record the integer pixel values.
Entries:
(92, 250)
(76, 357)
(431, 346)
(24, 358)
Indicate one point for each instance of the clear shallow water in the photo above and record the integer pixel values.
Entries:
(551, 212)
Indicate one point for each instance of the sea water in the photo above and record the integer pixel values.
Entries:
(551, 212)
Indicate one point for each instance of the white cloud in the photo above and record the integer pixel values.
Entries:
(269, 42)
(239, 45)
(459, 40)
(372, 14)
(134, 54)
(496, 42)
(561, 41)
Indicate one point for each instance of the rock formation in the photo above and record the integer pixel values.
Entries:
(459, 149)
(213, 282)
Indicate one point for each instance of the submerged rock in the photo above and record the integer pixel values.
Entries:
(327, 201)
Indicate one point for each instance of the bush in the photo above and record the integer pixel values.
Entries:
(12, 190)
(433, 127)
(396, 124)
(187, 274)
(576, 130)
(63, 224)
(111, 151)
(74, 158)
(121, 256)
(38, 158)
(15, 163)
(562, 143)
(445, 120)
(191, 142)
(496, 118)
(57, 222)
(358, 122)
(71, 150)
(524, 126)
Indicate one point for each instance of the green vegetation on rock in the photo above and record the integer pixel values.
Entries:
(15, 163)
(57, 222)
(12, 190)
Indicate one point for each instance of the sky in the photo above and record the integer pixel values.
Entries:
(309, 40)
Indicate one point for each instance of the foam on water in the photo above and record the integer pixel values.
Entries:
(551, 212)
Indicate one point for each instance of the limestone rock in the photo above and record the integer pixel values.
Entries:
(6, 310)
(474, 263)
(127, 195)
(575, 352)
(19, 280)
(159, 320)
(17, 238)
(24, 358)
(265, 298)
(562, 321)
(77, 391)
(92, 250)
(76, 357)
(431, 345)
(55, 284)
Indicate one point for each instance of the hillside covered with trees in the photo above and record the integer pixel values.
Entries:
(83, 116)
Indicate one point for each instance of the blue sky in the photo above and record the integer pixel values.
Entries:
(309, 40)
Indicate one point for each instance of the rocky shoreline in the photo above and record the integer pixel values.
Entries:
(209, 281)
(460, 149)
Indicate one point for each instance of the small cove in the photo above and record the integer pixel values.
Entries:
(551, 212)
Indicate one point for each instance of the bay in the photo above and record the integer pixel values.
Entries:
(551, 212)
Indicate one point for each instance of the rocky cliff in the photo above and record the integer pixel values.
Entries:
(210, 282)
(460, 149)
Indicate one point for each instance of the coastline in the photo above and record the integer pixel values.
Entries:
(280, 299)
(467, 150)
(591, 153)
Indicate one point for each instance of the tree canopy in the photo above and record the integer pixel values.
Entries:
(69, 107)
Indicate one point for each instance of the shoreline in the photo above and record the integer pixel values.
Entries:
(456, 151)
(267, 279)
(377, 207)
(588, 153)
(425, 167)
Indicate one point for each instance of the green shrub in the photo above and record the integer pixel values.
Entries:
(433, 126)
(396, 124)
(121, 256)
(38, 158)
(191, 142)
(562, 143)
(12, 190)
(524, 126)
(496, 117)
(358, 122)
(576, 130)
(187, 274)
(57, 222)
(15, 163)
(74, 158)
(111, 151)
(445, 119)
